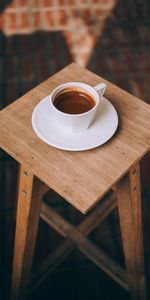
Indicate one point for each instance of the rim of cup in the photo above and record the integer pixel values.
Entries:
(85, 87)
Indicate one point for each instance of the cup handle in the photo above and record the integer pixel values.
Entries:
(100, 88)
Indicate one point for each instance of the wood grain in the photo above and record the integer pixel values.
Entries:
(50, 263)
(129, 207)
(92, 220)
(102, 260)
(82, 178)
(28, 211)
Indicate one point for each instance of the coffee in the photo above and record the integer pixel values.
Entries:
(73, 101)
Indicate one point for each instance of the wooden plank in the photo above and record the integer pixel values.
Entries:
(84, 177)
(45, 189)
(91, 221)
(129, 207)
(103, 261)
(50, 263)
(28, 212)
(84, 245)
(102, 210)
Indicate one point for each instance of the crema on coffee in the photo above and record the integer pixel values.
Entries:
(73, 101)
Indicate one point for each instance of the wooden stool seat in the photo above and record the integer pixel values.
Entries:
(105, 177)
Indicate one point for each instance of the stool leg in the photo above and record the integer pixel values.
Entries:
(28, 212)
(129, 207)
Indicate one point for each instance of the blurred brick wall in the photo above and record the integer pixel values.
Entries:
(38, 38)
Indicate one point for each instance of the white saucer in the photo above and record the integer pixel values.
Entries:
(100, 131)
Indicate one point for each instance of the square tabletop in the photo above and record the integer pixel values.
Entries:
(82, 178)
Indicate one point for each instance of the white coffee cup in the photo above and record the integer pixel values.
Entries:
(76, 122)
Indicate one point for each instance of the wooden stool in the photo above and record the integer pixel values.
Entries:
(105, 174)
